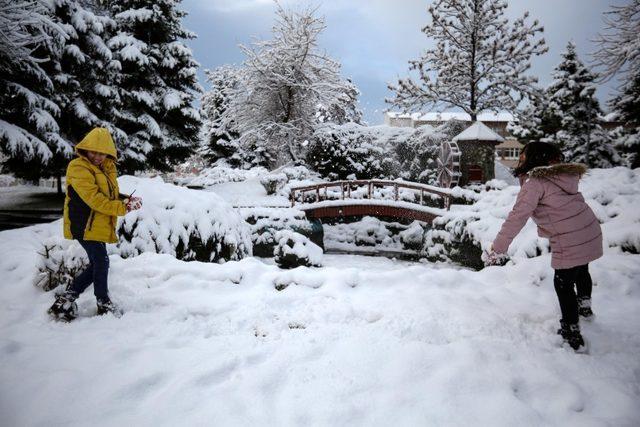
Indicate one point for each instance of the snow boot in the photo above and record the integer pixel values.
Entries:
(107, 306)
(584, 308)
(570, 333)
(64, 308)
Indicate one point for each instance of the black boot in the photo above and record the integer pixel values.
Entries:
(570, 332)
(64, 308)
(584, 308)
(106, 306)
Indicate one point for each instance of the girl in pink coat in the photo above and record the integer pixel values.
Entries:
(549, 195)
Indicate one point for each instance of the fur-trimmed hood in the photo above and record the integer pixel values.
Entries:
(564, 175)
(557, 169)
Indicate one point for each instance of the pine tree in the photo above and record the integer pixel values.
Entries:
(618, 54)
(626, 106)
(220, 138)
(159, 83)
(29, 132)
(569, 114)
(479, 62)
(284, 80)
(86, 74)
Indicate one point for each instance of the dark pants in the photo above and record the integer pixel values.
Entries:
(564, 282)
(96, 273)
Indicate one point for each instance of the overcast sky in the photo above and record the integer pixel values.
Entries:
(375, 39)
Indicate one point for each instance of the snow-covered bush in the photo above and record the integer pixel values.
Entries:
(338, 151)
(59, 263)
(464, 232)
(219, 174)
(188, 224)
(413, 237)
(7, 180)
(373, 234)
(298, 173)
(295, 250)
(264, 224)
(273, 182)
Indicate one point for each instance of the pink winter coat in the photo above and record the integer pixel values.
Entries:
(550, 196)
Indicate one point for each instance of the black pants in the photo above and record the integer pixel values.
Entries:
(564, 282)
(97, 272)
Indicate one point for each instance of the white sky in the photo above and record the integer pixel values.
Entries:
(375, 39)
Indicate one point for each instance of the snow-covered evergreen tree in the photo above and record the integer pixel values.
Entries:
(479, 62)
(86, 74)
(626, 107)
(159, 83)
(29, 132)
(220, 137)
(569, 115)
(618, 54)
(284, 82)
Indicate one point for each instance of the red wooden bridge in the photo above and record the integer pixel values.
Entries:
(395, 199)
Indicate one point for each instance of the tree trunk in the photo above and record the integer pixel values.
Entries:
(59, 180)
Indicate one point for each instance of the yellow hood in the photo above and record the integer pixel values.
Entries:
(99, 140)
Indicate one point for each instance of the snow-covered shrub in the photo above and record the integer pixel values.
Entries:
(59, 263)
(371, 234)
(464, 232)
(298, 173)
(265, 223)
(273, 182)
(452, 242)
(220, 174)
(295, 250)
(7, 180)
(188, 224)
(338, 151)
(413, 237)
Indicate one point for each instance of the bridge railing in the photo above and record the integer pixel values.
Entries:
(345, 189)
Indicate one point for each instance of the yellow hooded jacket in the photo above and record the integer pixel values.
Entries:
(93, 200)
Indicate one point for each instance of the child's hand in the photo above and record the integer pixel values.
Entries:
(133, 203)
(492, 258)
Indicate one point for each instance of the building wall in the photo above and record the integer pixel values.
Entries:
(508, 152)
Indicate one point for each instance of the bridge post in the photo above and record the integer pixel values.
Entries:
(342, 189)
(395, 191)
(317, 194)
(421, 196)
(370, 190)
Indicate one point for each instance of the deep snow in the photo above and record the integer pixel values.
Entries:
(360, 341)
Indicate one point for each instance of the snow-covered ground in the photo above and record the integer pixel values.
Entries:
(360, 341)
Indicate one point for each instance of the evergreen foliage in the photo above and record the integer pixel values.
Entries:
(569, 115)
(158, 83)
(30, 139)
(618, 54)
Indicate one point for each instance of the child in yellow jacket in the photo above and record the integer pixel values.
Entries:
(91, 208)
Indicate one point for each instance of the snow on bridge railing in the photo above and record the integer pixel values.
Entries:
(349, 189)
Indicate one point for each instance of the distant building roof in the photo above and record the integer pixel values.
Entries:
(478, 132)
(451, 115)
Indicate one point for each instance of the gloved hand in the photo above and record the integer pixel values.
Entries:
(492, 258)
(133, 203)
